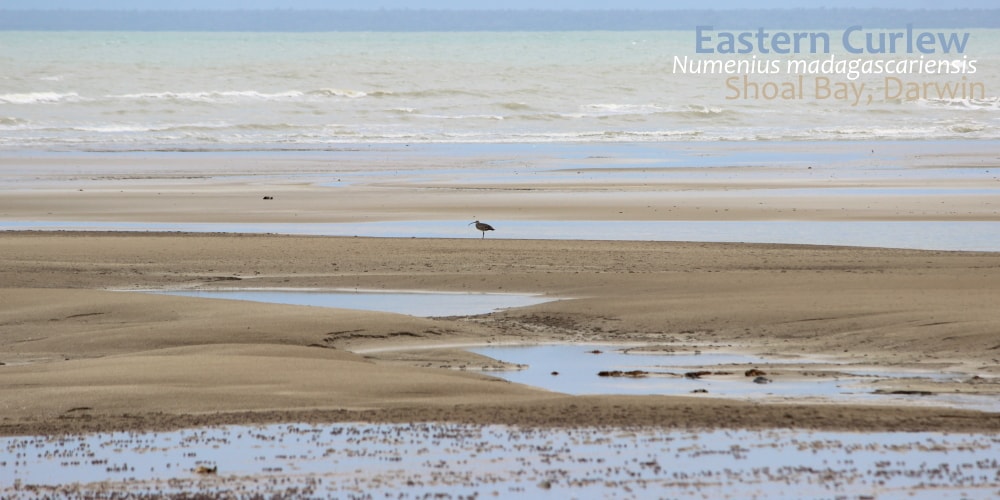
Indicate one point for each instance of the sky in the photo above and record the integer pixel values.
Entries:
(482, 4)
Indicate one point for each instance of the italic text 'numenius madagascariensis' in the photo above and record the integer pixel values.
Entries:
(482, 226)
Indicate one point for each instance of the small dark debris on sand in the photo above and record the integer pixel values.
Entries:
(619, 373)
(702, 373)
(905, 392)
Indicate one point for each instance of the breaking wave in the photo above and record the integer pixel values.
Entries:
(38, 98)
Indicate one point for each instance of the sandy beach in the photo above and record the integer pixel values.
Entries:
(81, 352)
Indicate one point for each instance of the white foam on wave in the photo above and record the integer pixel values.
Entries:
(212, 96)
(987, 104)
(917, 131)
(160, 127)
(608, 109)
(230, 96)
(114, 128)
(330, 92)
(38, 97)
(460, 117)
(612, 110)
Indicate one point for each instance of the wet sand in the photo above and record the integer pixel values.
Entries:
(823, 181)
(81, 354)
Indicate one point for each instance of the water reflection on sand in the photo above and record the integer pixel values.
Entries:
(411, 302)
(442, 460)
(921, 235)
(577, 369)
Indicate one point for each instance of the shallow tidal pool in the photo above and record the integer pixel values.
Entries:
(580, 369)
(413, 303)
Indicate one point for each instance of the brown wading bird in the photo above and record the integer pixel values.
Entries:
(482, 226)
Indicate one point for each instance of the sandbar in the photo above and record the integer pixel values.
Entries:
(81, 353)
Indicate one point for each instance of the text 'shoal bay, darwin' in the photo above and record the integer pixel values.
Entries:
(854, 93)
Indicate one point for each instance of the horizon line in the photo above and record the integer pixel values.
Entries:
(467, 10)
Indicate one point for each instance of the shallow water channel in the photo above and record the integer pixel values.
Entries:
(924, 235)
(575, 368)
(438, 460)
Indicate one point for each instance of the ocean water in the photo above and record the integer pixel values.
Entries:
(113, 91)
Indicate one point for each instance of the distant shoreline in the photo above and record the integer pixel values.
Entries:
(288, 20)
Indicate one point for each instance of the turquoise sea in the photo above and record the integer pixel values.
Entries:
(85, 91)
